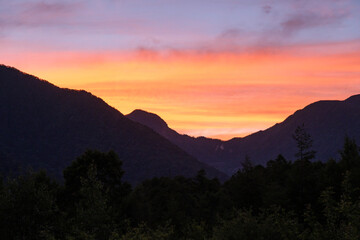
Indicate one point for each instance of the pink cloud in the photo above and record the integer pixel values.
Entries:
(38, 13)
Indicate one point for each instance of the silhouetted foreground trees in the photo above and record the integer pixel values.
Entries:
(282, 200)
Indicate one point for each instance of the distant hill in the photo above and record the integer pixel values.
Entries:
(205, 149)
(44, 126)
(328, 122)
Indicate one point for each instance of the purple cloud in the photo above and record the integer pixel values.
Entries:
(267, 9)
(231, 33)
(37, 13)
(314, 14)
(308, 20)
(43, 7)
(213, 25)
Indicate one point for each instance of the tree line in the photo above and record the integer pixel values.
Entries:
(299, 199)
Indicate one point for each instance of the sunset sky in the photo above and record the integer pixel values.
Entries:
(217, 68)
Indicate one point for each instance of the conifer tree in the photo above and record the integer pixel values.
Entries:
(304, 144)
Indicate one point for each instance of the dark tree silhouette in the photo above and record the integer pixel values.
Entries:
(304, 144)
(282, 200)
(246, 164)
(109, 173)
(350, 156)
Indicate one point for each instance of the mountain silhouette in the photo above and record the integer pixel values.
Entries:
(205, 149)
(328, 123)
(46, 127)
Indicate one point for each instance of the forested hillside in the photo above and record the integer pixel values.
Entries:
(282, 200)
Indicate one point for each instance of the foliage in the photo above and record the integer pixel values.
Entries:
(282, 200)
(28, 207)
(108, 171)
(142, 232)
(340, 219)
(272, 224)
(350, 156)
(92, 211)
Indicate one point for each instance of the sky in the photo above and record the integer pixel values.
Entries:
(215, 68)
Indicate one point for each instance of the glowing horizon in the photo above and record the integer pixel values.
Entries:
(230, 71)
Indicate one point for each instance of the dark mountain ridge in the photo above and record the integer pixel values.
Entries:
(328, 122)
(44, 126)
(205, 148)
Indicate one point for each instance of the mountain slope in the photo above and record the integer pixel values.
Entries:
(205, 149)
(328, 122)
(44, 126)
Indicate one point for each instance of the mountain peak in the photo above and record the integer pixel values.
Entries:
(353, 99)
(43, 126)
(8, 69)
(3, 66)
(14, 78)
(149, 119)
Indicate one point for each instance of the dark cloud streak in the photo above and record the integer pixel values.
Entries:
(267, 9)
(38, 14)
(301, 21)
(42, 7)
(231, 33)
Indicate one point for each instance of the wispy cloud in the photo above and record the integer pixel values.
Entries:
(36, 14)
(267, 8)
(203, 25)
(304, 20)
